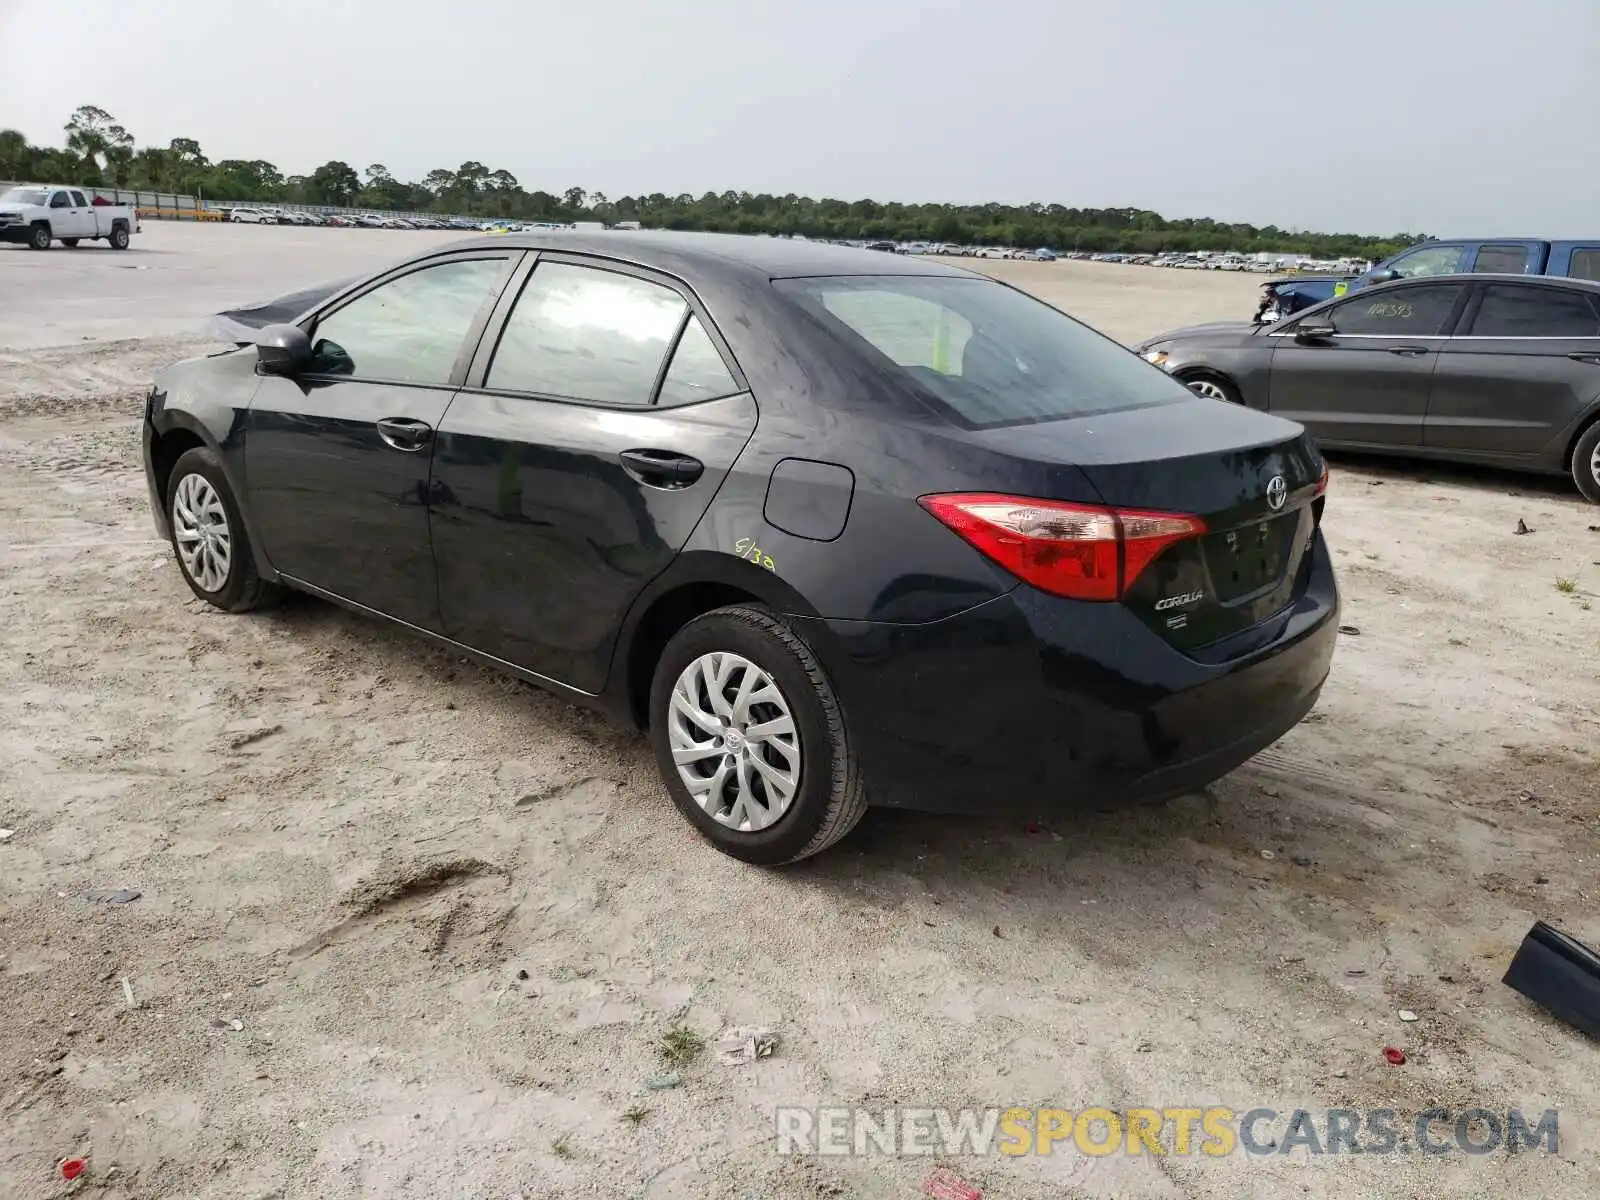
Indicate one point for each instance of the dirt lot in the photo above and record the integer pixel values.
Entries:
(410, 929)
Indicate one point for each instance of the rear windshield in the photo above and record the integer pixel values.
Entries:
(31, 196)
(989, 354)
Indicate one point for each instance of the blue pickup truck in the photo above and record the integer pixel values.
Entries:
(1503, 256)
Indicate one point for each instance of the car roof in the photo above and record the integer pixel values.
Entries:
(1589, 286)
(728, 253)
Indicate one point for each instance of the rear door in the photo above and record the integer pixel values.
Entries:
(336, 459)
(1525, 364)
(82, 216)
(1367, 383)
(600, 417)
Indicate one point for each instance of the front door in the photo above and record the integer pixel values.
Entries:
(596, 430)
(1367, 382)
(337, 458)
(64, 219)
(1526, 364)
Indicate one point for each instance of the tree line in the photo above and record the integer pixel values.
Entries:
(100, 151)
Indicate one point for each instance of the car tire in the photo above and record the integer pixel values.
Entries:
(39, 237)
(70, 243)
(1212, 387)
(1586, 464)
(119, 237)
(754, 647)
(217, 563)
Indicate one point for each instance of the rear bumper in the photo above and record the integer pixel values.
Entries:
(1036, 703)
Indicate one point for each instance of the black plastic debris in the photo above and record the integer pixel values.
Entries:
(1560, 974)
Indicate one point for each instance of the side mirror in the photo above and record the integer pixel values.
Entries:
(1383, 276)
(1314, 333)
(283, 349)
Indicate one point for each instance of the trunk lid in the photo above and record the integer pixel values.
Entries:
(1254, 480)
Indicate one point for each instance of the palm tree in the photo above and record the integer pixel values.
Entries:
(90, 133)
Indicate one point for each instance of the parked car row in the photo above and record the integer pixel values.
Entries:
(253, 215)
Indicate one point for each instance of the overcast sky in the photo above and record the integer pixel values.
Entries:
(1373, 116)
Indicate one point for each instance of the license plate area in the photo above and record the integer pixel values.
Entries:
(1249, 558)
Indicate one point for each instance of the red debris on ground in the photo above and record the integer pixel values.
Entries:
(946, 1185)
(71, 1168)
(1397, 1058)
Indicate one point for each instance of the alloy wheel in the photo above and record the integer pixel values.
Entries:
(200, 529)
(734, 741)
(1204, 387)
(1594, 464)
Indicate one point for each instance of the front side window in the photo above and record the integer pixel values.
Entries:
(1539, 312)
(989, 354)
(1430, 260)
(581, 333)
(1501, 260)
(1402, 312)
(409, 330)
(697, 371)
(60, 200)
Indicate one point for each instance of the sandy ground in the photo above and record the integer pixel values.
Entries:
(410, 929)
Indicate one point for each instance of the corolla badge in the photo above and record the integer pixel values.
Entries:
(1277, 493)
(1179, 601)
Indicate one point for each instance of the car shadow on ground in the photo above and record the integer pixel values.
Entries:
(1486, 479)
(1039, 857)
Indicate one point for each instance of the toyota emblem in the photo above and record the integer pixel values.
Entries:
(1277, 492)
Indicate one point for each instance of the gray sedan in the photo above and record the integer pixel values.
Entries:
(1495, 369)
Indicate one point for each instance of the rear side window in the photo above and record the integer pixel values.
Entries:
(585, 334)
(1585, 264)
(697, 371)
(78, 201)
(990, 355)
(1539, 312)
(1404, 312)
(408, 330)
(1501, 260)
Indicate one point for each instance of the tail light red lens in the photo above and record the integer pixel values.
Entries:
(1322, 480)
(1081, 551)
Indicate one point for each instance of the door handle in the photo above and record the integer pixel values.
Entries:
(404, 433)
(1408, 350)
(1580, 356)
(662, 468)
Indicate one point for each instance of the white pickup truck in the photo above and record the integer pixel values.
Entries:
(39, 214)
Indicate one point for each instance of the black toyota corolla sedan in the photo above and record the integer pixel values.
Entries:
(1502, 370)
(835, 527)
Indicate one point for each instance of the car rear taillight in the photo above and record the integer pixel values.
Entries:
(1322, 480)
(1081, 551)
